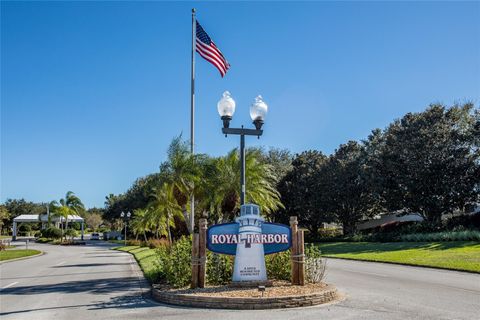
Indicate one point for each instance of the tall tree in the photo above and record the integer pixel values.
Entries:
(182, 172)
(221, 185)
(70, 205)
(429, 162)
(141, 223)
(93, 218)
(303, 192)
(350, 194)
(164, 208)
(4, 216)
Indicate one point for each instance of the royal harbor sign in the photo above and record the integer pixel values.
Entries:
(250, 238)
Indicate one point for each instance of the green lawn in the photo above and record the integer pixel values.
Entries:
(145, 258)
(456, 255)
(17, 253)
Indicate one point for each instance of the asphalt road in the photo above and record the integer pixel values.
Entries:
(93, 282)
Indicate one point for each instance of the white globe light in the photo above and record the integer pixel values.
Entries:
(226, 105)
(258, 110)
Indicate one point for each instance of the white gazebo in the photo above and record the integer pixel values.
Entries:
(43, 218)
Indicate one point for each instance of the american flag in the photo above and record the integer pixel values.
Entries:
(209, 51)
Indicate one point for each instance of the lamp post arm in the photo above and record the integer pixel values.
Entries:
(242, 131)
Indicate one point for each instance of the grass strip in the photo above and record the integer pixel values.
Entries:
(453, 255)
(146, 258)
(17, 253)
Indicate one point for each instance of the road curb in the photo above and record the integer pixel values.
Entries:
(23, 258)
(403, 264)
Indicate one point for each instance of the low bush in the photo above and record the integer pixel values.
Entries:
(174, 262)
(315, 265)
(464, 222)
(157, 243)
(52, 233)
(134, 243)
(43, 240)
(279, 265)
(467, 235)
(219, 268)
(3, 246)
(71, 233)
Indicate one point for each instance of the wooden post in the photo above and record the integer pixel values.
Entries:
(301, 258)
(195, 242)
(294, 227)
(202, 252)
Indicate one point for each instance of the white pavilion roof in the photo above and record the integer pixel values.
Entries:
(43, 217)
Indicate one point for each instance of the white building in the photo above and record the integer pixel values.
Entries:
(43, 218)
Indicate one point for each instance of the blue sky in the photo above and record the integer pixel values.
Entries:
(93, 92)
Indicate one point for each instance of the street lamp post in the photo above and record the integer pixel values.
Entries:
(125, 217)
(258, 110)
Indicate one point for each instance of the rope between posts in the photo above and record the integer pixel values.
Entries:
(298, 258)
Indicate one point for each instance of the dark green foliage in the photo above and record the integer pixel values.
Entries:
(279, 265)
(312, 251)
(15, 207)
(137, 197)
(52, 233)
(471, 222)
(303, 192)
(219, 268)
(71, 233)
(174, 262)
(429, 162)
(349, 194)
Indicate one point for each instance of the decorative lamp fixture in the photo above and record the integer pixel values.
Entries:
(226, 108)
(258, 111)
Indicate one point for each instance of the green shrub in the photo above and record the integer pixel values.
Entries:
(279, 265)
(43, 240)
(219, 268)
(466, 235)
(174, 262)
(52, 233)
(71, 233)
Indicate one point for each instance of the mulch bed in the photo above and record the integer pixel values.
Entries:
(279, 289)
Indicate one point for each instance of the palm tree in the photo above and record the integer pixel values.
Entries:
(220, 192)
(140, 223)
(164, 207)
(70, 205)
(182, 172)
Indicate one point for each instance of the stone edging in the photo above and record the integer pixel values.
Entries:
(23, 258)
(328, 294)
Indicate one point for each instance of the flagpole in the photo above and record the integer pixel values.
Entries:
(192, 115)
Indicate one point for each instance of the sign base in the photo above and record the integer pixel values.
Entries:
(250, 284)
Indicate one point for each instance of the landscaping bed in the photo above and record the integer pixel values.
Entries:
(281, 295)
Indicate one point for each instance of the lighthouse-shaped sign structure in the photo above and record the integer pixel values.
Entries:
(250, 255)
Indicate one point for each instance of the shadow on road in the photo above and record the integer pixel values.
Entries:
(119, 302)
(91, 265)
(94, 286)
